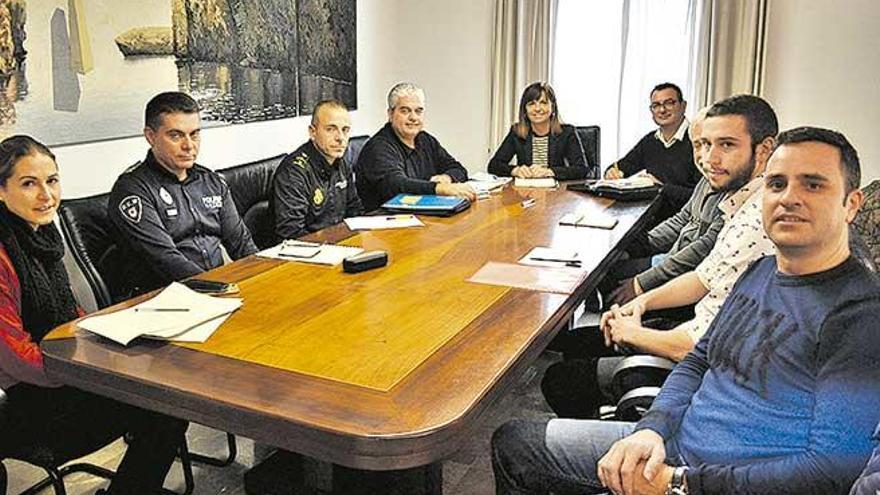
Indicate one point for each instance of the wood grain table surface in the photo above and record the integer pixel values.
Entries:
(386, 369)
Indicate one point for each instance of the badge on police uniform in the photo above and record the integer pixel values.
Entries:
(131, 208)
(166, 196)
(319, 197)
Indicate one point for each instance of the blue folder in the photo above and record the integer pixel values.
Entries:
(426, 204)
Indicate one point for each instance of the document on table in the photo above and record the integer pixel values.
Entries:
(310, 252)
(595, 220)
(541, 183)
(484, 183)
(552, 257)
(171, 315)
(383, 222)
(638, 180)
(544, 279)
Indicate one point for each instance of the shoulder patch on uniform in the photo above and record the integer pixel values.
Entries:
(301, 160)
(133, 167)
(131, 208)
(319, 197)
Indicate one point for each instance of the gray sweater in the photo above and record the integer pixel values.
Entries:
(686, 237)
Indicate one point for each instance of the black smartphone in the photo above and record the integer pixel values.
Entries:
(210, 286)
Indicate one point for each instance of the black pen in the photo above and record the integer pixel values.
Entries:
(164, 310)
(557, 260)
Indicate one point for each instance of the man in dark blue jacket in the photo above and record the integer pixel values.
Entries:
(173, 214)
(403, 158)
(759, 405)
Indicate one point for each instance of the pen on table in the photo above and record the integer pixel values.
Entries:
(164, 310)
(558, 260)
(529, 202)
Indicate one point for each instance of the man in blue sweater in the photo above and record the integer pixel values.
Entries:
(781, 394)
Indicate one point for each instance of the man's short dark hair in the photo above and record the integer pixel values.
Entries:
(760, 117)
(849, 157)
(668, 85)
(331, 103)
(169, 102)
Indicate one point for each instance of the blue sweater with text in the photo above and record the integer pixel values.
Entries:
(783, 392)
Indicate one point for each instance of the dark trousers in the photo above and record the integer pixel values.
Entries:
(56, 425)
(571, 387)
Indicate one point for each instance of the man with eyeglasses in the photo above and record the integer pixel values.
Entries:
(403, 158)
(666, 153)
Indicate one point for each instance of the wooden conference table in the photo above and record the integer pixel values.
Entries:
(384, 370)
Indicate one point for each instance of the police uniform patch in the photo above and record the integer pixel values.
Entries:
(166, 196)
(214, 202)
(319, 197)
(131, 208)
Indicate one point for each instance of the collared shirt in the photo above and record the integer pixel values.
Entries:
(173, 229)
(678, 136)
(308, 194)
(741, 241)
(387, 166)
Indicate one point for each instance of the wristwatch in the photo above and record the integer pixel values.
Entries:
(678, 484)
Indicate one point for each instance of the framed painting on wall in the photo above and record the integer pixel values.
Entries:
(75, 71)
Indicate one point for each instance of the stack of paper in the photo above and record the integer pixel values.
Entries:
(177, 313)
(484, 183)
(383, 222)
(543, 183)
(637, 181)
(310, 252)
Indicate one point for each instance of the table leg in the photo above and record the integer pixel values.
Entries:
(422, 480)
(287, 473)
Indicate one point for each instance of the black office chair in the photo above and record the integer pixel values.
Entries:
(867, 222)
(91, 238)
(355, 145)
(251, 185)
(590, 137)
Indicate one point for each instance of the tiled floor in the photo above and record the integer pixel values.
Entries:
(469, 472)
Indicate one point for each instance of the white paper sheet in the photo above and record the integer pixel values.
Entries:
(552, 257)
(383, 222)
(542, 183)
(171, 312)
(330, 254)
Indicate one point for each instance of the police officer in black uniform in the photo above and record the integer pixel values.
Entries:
(173, 214)
(313, 187)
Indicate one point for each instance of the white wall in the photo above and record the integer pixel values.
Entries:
(444, 46)
(823, 68)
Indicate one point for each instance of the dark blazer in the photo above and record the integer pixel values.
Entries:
(564, 154)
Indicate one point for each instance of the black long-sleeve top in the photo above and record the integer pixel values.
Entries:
(172, 229)
(674, 166)
(308, 194)
(386, 167)
(565, 156)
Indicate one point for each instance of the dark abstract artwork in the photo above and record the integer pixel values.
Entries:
(74, 71)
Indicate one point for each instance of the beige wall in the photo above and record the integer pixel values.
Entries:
(823, 68)
(442, 45)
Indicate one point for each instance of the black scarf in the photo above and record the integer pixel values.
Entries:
(46, 298)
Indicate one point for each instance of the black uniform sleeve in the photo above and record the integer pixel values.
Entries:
(290, 200)
(235, 235)
(577, 164)
(447, 164)
(499, 164)
(144, 232)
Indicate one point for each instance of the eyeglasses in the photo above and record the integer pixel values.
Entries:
(667, 105)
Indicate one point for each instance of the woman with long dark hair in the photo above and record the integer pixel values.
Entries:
(542, 144)
(35, 296)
